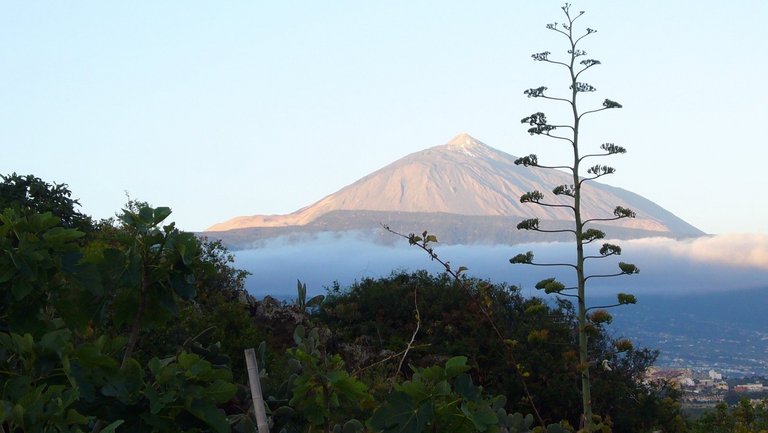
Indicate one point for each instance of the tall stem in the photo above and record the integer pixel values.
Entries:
(586, 388)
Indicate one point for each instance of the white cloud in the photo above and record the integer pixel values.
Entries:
(740, 250)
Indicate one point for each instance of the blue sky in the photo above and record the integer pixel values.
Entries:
(220, 109)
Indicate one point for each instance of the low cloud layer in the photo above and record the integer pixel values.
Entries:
(740, 250)
(675, 267)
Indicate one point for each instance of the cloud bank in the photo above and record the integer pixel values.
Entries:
(742, 250)
(668, 266)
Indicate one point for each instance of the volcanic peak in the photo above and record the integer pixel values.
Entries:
(465, 144)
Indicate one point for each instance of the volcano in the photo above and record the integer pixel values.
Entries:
(467, 192)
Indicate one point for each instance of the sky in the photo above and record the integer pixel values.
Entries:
(221, 109)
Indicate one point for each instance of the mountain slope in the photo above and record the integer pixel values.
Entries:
(465, 178)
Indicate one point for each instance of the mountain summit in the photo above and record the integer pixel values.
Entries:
(463, 178)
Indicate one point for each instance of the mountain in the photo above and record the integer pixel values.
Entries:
(465, 190)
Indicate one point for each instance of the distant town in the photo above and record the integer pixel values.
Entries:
(703, 389)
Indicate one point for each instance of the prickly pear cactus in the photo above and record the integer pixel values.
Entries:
(515, 422)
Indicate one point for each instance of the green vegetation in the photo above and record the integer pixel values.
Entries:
(74, 315)
(570, 197)
(134, 325)
(743, 417)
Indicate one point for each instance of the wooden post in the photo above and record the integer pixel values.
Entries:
(258, 398)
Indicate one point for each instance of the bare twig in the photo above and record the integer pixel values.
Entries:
(381, 361)
(191, 340)
(423, 243)
(413, 337)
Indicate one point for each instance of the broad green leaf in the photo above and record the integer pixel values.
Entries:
(456, 366)
(220, 391)
(400, 414)
(183, 287)
(91, 357)
(146, 216)
(483, 418)
(60, 235)
(24, 344)
(210, 415)
(441, 388)
(415, 389)
(56, 341)
(465, 388)
(156, 365)
(75, 417)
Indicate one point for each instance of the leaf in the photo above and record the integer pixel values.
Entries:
(91, 358)
(75, 417)
(315, 301)
(156, 365)
(146, 215)
(210, 415)
(60, 235)
(220, 391)
(400, 414)
(6, 272)
(157, 402)
(56, 341)
(442, 388)
(353, 426)
(23, 344)
(483, 418)
(456, 366)
(465, 388)
(185, 289)
(112, 427)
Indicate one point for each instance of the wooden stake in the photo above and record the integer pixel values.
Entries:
(258, 398)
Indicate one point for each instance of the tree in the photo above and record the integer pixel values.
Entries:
(71, 321)
(744, 417)
(36, 195)
(372, 321)
(570, 197)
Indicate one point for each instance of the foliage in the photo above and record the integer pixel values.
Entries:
(373, 319)
(443, 398)
(570, 197)
(322, 392)
(72, 318)
(744, 417)
(217, 322)
(138, 326)
(34, 195)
